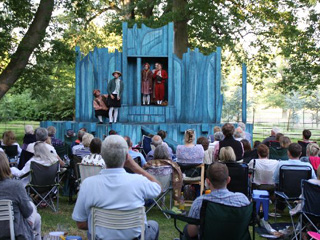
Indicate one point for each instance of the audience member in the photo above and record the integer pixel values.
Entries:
(217, 180)
(54, 141)
(112, 132)
(9, 139)
(156, 140)
(78, 143)
(312, 157)
(306, 134)
(107, 191)
(161, 152)
(94, 157)
(247, 135)
(134, 154)
(256, 144)
(29, 136)
(274, 132)
(227, 155)
(85, 150)
(41, 136)
(208, 152)
(218, 136)
(26, 219)
(280, 153)
(215, 130)
(163, 135)
(189, 153)
(238, 134)
(228, 130)
(248, 152)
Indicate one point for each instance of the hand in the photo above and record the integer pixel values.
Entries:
(118, 98)
(112, 97)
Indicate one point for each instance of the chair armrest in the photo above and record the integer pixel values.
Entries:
(24, 175)
(182, 218)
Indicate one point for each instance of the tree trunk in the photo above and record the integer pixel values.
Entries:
(179, 8)
(29, 42)
(128, 9)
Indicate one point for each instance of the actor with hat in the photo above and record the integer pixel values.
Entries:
(100, 105)
(115, 89)
(146, 84)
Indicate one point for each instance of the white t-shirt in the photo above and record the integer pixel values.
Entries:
(263, 170)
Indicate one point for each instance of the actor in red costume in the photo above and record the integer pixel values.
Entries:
(160, 76)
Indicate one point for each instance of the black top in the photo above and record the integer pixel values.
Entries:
(268, 139)
(236, 145)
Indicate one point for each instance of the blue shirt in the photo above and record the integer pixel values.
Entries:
(291, 162)
(223, 196)
(113, 188)
(135, 154)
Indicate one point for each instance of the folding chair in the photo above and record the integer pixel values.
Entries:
(164, 175)
(12, 154)
(146, 145)
(88, 170)
(239, 173)
(62, 151)
(25, 156)
(118, 220)
(278, 153)
(74, 179)
(218, 221)
(44, 184)
(7, 214)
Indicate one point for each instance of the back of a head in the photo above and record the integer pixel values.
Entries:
(295, 150)
(218, 136)
(227, 154)
(228, 130)
(246, 145)
(5, 171)
(204, 142)
(162, 134)
(306, 134)
(41, 134)
(216, 129)
(284, 142)
(80, 134)
(114, 151)
(189, 136)
(42, 152)
(313, 149)
(218, 174)
(9, 138)
(112, 132)
(95, 146)
(256, 143)
(161, 152)
(263, 151)
(28, 129)
(278, 136)
(238, 133)
(156, 140)
(86, 139)
(242, 126)
(51, 131)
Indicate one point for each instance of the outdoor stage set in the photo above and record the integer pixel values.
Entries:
(194, 88)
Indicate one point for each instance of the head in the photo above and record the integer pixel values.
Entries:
(216, 129)
(294, 151)
(96, 93)
(204, 142)
(246, 145)
(5, 171)
(238, 133)
(95, 146)
(83, 129)
(41, 134)
(284, 142)
(161, 152)
(218, 175)
(42, 152)
(228, 130)
(80, 135)
(242, 126)
(313, 149)
(70, 133)
(129, 142)
(256, 144)
(218, 136)
(86, 139)
(112, 132)
(306, 134)
(274, 131)
(8, 138)
(146, 66)
(278, 136)
(116, 74)
(159, 66)
(114, 151)
(263, 151)
(28, 129)
(156, 140)
(227, 154)
(156, 65)
(162, 134)
(189, 136)
(51, 131)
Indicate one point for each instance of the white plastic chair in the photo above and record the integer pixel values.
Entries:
(117, 219)
(7, 214)
(88, 170)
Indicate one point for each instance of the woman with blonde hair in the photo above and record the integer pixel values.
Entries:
(9, 139)
(227, 154)
(312, 157)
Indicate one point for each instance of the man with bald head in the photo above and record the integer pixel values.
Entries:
(157, 141)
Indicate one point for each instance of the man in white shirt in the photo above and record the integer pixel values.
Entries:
(41, 136)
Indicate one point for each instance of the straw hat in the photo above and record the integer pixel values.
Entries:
(117, 72)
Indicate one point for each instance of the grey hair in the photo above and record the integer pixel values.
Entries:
(42, 152)
(86, 139)
(41, 134)
(28, 129)
(161, 152)
(275, 130)
(238, 133)
(51, 131)
(218, 136)
(242, 126)
(156, 140)
(114, 151)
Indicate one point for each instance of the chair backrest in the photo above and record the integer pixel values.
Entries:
(25, 156)
(239, 173)
(11, 151)
(117, 219)
(278, 153)
(219, 221)
(146, 144)
(76, 160)
(7, 214)
(61, 150)
(44, 176)
(163, 174)
(311, 196)
(88, 170)
(290, 177)
(274, 144)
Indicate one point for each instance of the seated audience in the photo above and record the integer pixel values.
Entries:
(248, 152)
(238, 134)
(112, 132)
(208, 152)
(306, 134)
(215, 130)
(280, 153)
(228, 130)
(9, 139)
(156, 140)
(247, 135)
(276, 143)
(133, 153)
(26, 219)
(41, 136)
(161, 152)
(274, 132)
(217, 180)
(29, 136)
(107, 191)
(312, 157)
(85, 150)
(78, 143)
(256, 144)
(218, 136)
(227, 155)
(54, 141)
(94, 158)
(294, 153)
(189, 153)
(163, 135)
